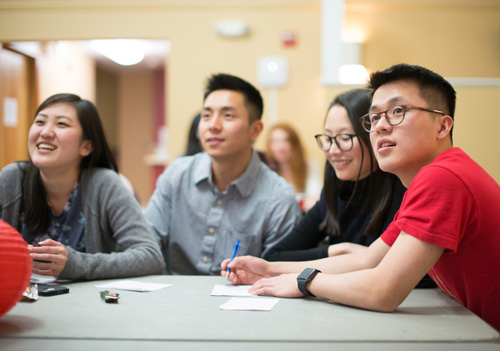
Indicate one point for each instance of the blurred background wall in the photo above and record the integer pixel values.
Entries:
(459, 39)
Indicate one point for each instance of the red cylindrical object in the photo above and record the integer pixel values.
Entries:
(15, 267)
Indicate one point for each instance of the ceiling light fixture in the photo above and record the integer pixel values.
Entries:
(125, 52)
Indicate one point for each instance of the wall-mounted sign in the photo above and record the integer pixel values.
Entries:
(10, 112)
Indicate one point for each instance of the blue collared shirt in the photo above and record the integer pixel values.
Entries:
(197, 225)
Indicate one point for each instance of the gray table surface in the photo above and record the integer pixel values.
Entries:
(185, 316)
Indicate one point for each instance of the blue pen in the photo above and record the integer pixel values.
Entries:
(235, 251)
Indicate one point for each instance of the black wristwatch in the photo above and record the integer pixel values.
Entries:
(305, 277)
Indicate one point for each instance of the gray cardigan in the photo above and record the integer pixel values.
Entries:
(118, 240)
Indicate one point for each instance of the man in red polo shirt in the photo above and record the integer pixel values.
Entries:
(448, 223)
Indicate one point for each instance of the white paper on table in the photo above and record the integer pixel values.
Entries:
(250, 304)
(133, 286)
(41, 279)
(231, 290)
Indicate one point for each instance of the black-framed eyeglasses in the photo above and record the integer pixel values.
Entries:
(394, 116)
(344, 141)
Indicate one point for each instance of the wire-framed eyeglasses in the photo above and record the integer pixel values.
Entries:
(344, 141)
(394, 116)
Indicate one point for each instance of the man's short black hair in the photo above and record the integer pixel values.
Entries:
(434, 89)
(253, 99)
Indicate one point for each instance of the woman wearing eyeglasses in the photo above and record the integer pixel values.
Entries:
(358, 200)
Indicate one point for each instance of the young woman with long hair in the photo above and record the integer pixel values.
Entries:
(69, 202)
(358, 200)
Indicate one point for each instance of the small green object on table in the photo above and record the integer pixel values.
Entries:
(109, 296)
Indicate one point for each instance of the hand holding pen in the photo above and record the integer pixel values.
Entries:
(235, 251)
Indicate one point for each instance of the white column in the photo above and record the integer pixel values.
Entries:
(332, 21)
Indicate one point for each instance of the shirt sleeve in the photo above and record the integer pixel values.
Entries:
(435, 209)
(302, 243)
(283, 216)
(11, 179)
(159, 208)
(119, 242)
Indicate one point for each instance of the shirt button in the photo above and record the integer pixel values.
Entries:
(205, 259)
(211, 230)
(219, 202)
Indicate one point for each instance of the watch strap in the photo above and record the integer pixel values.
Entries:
(305, 277)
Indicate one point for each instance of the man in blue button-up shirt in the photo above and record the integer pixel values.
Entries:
(204, 203)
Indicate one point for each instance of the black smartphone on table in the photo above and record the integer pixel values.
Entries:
(51, 290)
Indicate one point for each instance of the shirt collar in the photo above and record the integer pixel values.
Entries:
(244, 183)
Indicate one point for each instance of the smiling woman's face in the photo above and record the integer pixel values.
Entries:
(345, 163)
(55, 138)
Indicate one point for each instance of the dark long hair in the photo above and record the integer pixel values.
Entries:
(379, 189)
(36, 209)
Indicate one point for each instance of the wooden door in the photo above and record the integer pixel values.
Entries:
(17, 104)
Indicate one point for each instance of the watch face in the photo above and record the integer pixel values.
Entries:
(306, 273)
